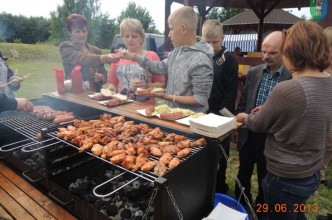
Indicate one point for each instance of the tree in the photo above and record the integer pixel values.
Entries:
(223, 14)
(22, 29)
(134, 11)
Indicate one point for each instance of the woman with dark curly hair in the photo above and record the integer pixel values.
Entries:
(78, 52)
(297, 117)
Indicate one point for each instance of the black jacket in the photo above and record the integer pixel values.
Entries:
(7, 103)
(225, 79)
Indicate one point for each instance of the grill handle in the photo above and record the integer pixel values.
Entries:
(105, 195)
(25, 174)
(50, 194)
(16, 145)
(27, 150)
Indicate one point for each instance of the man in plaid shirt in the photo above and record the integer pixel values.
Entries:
(259, 83)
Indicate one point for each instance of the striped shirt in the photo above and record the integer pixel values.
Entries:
(268, 82)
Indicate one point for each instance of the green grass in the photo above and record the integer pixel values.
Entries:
(38, 60)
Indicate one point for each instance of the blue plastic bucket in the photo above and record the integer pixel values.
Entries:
(230, 202)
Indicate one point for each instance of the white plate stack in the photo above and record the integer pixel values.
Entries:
(212, 125)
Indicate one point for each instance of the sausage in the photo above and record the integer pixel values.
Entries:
(63, 118)
(112, 102)
(39, 136)
(171, 116)
(149, 111)
(144, 91)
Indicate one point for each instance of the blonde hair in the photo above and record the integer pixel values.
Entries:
(328, 32)
(185, 15)
(133, 25)
(212, 28)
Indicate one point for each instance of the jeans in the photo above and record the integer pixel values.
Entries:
(284, 196)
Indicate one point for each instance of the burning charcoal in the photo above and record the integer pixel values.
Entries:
(136, 184)
(117, 172)
(108, 174)
(138, 215)
(90, 198)
(98, 204)
(83, 185)
(136, 205)
(119, 203)
(106, 199)
(73, 188)
(111, 210)
(144, 205)
(35, 166)
(126, 214)
(134, 194)
(35, 156)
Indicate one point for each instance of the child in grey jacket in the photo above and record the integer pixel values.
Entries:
(188, 69)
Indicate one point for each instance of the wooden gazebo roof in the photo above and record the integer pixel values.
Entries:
(277, 19)
(260, 7)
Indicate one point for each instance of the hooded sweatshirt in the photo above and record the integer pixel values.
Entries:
(189, 72)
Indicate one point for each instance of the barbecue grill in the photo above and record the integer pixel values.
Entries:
(55, 166)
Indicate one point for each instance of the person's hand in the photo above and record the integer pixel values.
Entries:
(109, 58)
(241, 117)
(98, 77)
(256, 109)
(136, 83)
(128, 55)
(161, 95)
(15, 80)
(24, 104)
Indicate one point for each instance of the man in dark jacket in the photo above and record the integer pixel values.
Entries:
(259, 83)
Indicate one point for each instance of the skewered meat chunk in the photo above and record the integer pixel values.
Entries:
(178, 138)
(117, 152)
(131, 149)
(149, 165)
(142, 150)
(155, 151)
(107, 150)
(156, 133)
(164, 143)
(140, 161)
(86, 144)
(129, 162)
(166, 158)
(160, 169)
(173, 149)
(97, 149)
(144, 128)
(183, 144)
(174, 162)
(170, 137)
(199, 142)
(184, 152)
(118, 158)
